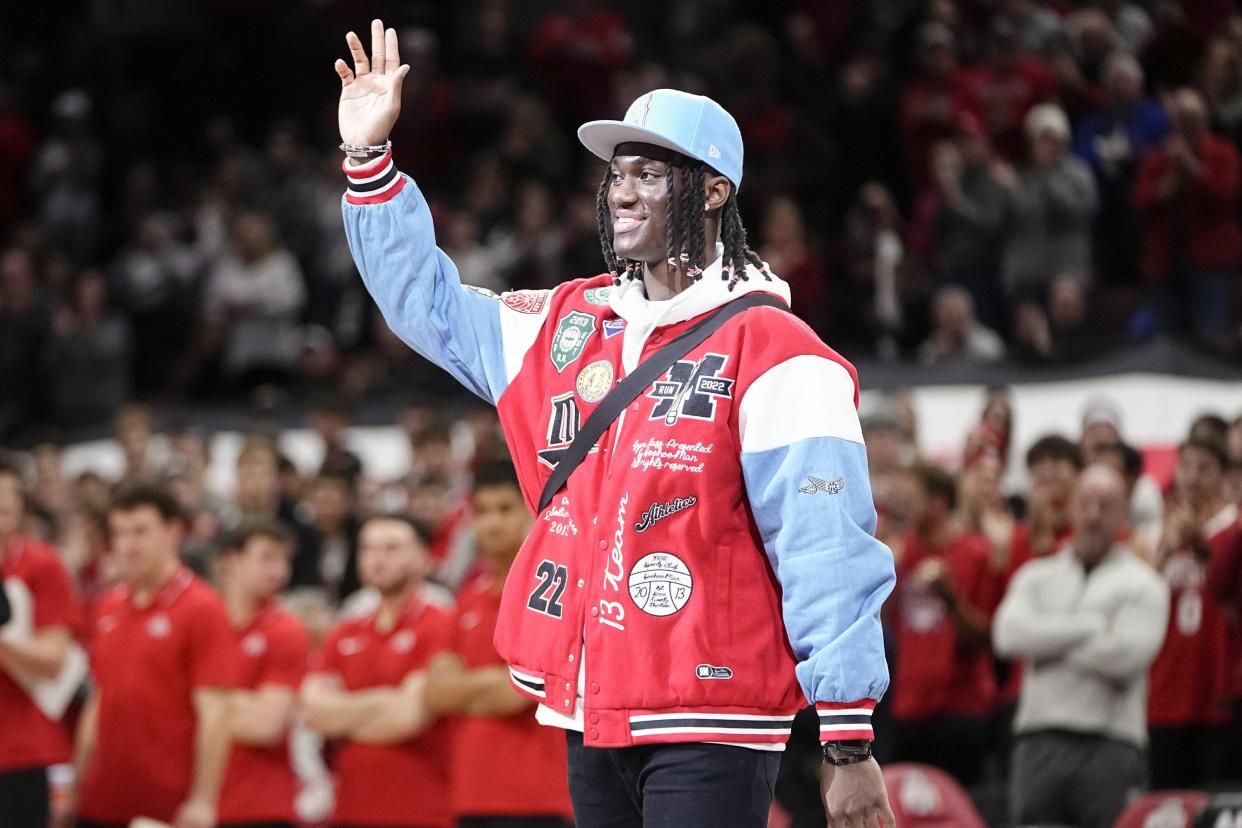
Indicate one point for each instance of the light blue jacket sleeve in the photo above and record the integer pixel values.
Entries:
(805, 470)
(812, 503)
(420, 293)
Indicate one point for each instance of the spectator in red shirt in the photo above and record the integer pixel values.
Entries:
(259, 787)
(1187, 196)
(367, 690)
(473, 683)
(1053, 463)
(30, 741)
(943, 683)
(1187, 705)
(153, 739)
(933, 103)
(1002, 89)
(1224, 582)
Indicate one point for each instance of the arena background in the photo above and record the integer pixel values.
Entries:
(962, 194)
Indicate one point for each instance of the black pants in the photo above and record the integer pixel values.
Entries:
(1188, 756)
(955, 744)
(513, 822)
(1061, 778)
(670, 786)
(24, 798)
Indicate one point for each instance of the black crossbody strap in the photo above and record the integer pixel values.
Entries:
(647, 372)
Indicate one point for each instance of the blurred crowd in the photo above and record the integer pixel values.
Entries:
(947, 181)
(1094, 603)
(942, 182)
(1091, 569)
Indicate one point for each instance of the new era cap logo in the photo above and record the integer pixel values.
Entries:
(712, 151)
(639, 110)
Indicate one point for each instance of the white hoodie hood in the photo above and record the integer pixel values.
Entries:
(642, 315)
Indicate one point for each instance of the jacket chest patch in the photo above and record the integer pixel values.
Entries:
(691, 389)
(594, 381)
(526, 301)
(597, 295)
(660, 584)
(563, 423)
(659, 511)
(571, 336)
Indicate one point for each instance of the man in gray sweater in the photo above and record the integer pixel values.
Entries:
(1087, 623)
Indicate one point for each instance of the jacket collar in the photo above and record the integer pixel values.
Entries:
(630, 301)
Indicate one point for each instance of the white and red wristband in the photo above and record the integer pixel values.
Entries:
(375, 182)
(841, 721)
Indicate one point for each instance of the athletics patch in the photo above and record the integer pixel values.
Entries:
(660, 584)
(659, 511)
(525, 301)
(572, 333)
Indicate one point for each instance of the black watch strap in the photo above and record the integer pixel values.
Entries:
(847, 751)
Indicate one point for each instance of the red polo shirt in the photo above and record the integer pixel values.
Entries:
(29, 739)
(533, 780)
(1224, 581)
(260, 786)
(936, 674)
(401, 784)
(1190, 676)
(147, 663)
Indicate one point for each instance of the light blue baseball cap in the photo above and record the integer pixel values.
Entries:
(693, 125)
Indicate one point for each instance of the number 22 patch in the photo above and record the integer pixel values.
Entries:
(546, 597)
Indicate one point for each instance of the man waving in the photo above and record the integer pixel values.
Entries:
(709, 567)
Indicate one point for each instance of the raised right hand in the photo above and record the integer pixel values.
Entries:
(371, 93)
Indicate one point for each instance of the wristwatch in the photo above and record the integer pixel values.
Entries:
(847, 751)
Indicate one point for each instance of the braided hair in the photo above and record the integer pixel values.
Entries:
(686, 233)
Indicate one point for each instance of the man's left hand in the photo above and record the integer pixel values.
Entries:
(195, 813)
(855, 796)
(935, 575)
(442, 693)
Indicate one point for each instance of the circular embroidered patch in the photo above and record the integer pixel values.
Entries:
(660, 583)
(594, 381)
